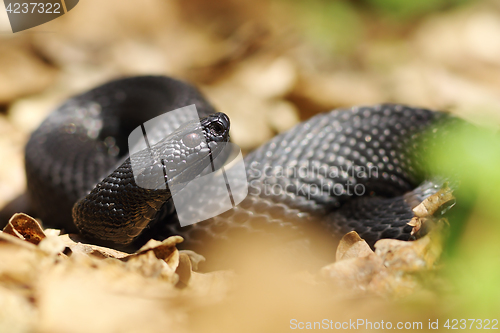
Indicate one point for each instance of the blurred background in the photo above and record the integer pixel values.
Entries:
(267, 64)
(270, 64)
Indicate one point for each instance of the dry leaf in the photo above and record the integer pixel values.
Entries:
(352, 246)
(7, 239)
(73, 242)
(162, 250)
(52, 245)
(354, 272)
(25, 227)
(18, 314)
(105, 297)
(184, 270)
(195, 258)
(415, 255)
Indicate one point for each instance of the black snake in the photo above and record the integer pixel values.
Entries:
(349, 169)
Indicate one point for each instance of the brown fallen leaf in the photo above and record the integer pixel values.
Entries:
(25, 227)
(404, 261)
(20, 264)
(414, 255)
(75, 244)
(352, 246)
(150, 266)
(161, 249)
(355, 273)
(392, 269)
(83, 293)
(52, 245)
(184, 270)
(194, 257)
(8, 239)
(395, 283)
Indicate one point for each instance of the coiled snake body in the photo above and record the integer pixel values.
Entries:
(353, 169)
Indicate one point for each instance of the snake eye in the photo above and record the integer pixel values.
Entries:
(191, 140)
(216, 128)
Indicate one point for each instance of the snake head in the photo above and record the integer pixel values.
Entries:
(183, 155)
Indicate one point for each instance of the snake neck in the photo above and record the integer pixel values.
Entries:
(99, 214)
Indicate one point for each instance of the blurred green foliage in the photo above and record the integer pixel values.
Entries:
(405, 9)
(333, 25)
(340, 25)
(472, 252)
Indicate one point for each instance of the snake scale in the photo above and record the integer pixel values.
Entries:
(348, 169)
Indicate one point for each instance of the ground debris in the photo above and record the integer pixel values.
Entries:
(440, 201)
(25, 227)
(352, 246)
(56, 283)
(392, 269)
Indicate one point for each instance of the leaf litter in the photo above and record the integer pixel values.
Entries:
(57, 283)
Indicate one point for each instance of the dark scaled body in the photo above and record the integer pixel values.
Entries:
(85, 140)
(352, 169)
(339, 171)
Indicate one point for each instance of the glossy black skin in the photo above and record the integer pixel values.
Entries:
(71, 152)
(86, 139)
(392, 138)
(120, 206)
